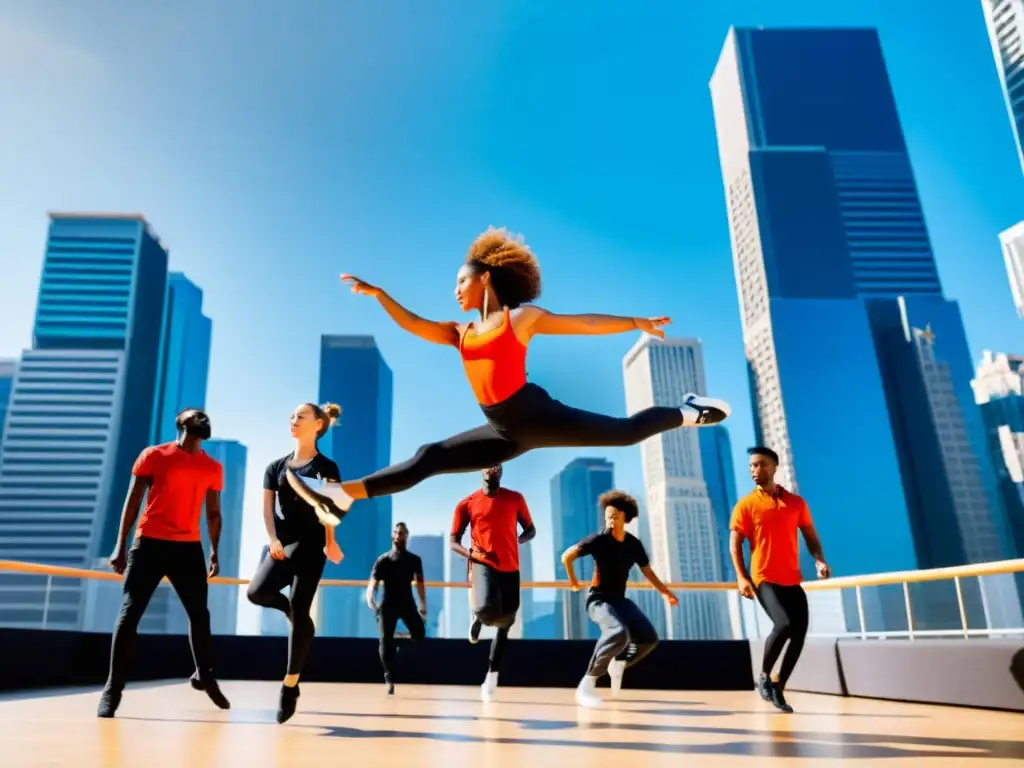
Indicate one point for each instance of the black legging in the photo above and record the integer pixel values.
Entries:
(495, 603)
(529, 419)
(787, 608)
(387, 617)
(184, 565)
(301, 569)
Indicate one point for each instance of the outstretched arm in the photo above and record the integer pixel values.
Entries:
(446, 333)
(531, 321)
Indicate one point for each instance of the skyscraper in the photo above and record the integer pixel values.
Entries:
(184, 356)
(8, 368)
(527, 597)
(1005, 20)
(431, 550)
(574, 514)
(716, 463)
(1012, 243)
(81, 407)
(684, 533)
(836, 275)
(353, 374)
(223, 600)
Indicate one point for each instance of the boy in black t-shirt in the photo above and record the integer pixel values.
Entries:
(396, 569)
(626, 634)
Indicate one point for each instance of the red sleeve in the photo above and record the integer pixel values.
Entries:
(147, 463)
(740, 521)
(523, 514)
(805, 515)
(460, 522)
(218, 477)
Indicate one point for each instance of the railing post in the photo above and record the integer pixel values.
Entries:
(910, 613)
(860, 614)
(46, 600)
(960, 602)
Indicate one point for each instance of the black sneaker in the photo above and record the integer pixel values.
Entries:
(391, 689)
(779, 700)
(110, 700)
(211, 688)
(765, 686)
(474, 631)
(286, 706)
(700, 411)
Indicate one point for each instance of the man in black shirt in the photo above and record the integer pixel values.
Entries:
(396, 570)
(626, 634)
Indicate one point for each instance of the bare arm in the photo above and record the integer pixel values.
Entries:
(746, 586)
(214, 521)
(269, 498)
(130, 513)
(439, 333)
(455, 544)
(526, 523)
(421, 590)
(531, 321)
(460, 523)
(569, 561)
(371, 593)
(657, 583)
(814, 547)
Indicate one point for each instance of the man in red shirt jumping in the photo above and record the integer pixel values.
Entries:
(493, 515)
(179, 477)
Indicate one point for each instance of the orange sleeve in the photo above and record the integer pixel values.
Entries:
(805, 515)
(740, 521)
(460, 522)
(525, 520)
(146, 464)
(218, 477)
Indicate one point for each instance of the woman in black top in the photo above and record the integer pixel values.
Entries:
(626, 634)
(300, 544)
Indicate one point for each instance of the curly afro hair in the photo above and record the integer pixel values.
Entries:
(621, 501)
(515, 273)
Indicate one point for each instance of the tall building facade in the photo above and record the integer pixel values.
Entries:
(456, 612)
(233, 457)
(574, 514)
(184, 356)
(432, 550)
(684, 531)
(8, 368)
(81, 407)
(1005, 22)
(353, 374)
(836, 279)
(1012, 243)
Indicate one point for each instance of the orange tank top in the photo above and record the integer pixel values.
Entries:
(495, 362)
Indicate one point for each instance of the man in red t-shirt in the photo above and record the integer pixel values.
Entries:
(179, 477)
(493, 515)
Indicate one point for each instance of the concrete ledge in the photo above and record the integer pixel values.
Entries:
(45, 659)
(817, 671)
(966, 673)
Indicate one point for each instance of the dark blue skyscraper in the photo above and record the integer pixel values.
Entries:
(353, 374)
(82, 404)
(716, 465)
(574, 514)
(184, 356)
(432, 550)
(837, 284)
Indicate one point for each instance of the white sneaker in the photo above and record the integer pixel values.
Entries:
(489, 688)
(615, 671)
(700, 411)
(586, 693)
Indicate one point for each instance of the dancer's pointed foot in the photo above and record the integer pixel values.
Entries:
(330, 507)
(700, 411)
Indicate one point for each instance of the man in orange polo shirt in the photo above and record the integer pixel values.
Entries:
(494, 516)
(176, 479)
(769, 518)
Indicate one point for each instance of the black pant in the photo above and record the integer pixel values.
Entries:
(495, 603)
(149, 561)
(387, 617)
(626, 634)
(787, 608)
(529, 419)
(302, 567)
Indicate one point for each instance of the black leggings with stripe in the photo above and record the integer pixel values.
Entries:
(529, 419)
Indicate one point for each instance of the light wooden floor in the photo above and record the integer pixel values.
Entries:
(168, 724)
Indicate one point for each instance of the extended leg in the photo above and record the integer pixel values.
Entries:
(142, 577)
(187, 574)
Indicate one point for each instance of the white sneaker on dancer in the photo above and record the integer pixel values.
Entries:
(615, 671)
(489, 688)
(586, 693)
(700, 411)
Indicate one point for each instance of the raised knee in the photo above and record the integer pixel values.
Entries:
(257, 597)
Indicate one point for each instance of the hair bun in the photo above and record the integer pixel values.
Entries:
(333, 412)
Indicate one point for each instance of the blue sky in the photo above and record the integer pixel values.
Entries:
(273, 149)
